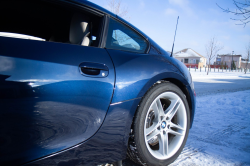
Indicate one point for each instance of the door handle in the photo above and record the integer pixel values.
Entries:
(93, 69)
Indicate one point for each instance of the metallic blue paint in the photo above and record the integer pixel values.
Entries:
(109, 144)
(46, 104)
(52, 111)
(136, 73)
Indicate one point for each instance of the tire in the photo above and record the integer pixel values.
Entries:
(158, 136)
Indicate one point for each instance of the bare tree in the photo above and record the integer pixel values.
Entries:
(212, 48)
(242, 10)
(247, 56)
(116, 7)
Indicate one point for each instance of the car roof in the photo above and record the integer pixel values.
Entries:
(92, 5)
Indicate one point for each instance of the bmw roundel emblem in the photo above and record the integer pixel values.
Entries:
(163, 125)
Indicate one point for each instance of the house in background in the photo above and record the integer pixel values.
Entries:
(228, 58)
(245, 63)
(190, 58)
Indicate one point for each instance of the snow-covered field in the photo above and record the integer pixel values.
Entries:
(218, 74)
(219, 82)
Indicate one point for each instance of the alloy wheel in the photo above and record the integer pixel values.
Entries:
(165, 125)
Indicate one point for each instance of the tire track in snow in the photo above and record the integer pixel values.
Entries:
(186, 153)
(214, 138)
(218, 138)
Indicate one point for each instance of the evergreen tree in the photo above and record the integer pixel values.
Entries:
(225, 65)
(221, 65)
(234, 67)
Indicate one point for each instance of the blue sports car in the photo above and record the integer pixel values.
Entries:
(81, 86)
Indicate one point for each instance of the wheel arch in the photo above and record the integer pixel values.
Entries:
(183, 89)
(175, 78)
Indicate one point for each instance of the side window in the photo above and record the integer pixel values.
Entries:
(49, 22)
(120, 37)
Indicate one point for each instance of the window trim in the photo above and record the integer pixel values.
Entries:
(130, 27)
(104, 33)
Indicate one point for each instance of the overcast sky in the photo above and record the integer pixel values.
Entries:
(199, 21)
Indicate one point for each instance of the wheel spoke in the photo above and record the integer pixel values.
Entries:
(173, 108)
(152, 128)
(152, 135)
(163, 144)
(160, 109)
(175, 132)
(176, 126)
(157, 112)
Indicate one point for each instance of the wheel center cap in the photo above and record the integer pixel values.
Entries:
(163, 124)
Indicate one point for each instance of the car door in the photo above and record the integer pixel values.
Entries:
(53, 96)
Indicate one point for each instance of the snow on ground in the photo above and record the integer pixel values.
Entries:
(218, 74)
(221, 131)
(219, 82)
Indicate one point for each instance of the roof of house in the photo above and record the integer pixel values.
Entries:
(228, 55)
(188, 52)
(245, 60)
